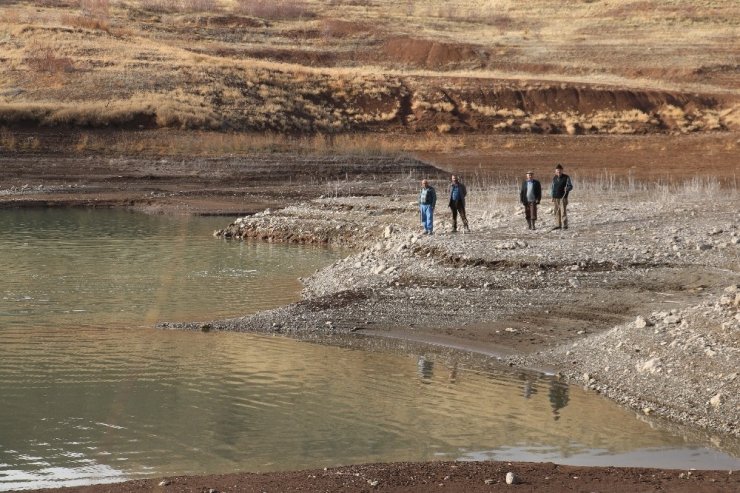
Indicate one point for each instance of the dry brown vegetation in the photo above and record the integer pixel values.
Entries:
(334, 67)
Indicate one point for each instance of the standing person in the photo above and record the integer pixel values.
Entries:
(457, 203)
(530, 195)
(427, 201)
(560, 188)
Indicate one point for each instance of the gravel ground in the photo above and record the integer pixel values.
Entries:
(638, 300)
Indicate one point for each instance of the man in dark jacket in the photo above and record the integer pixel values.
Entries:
(427, 201)
(457, 194)
(530, 195)
(560, 188)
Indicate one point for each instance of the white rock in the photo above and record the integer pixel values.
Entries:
(726, 300)
(717, 400)
(511, 478)
(731, 289)
(653, 365)
(672, 319)
(640, 322)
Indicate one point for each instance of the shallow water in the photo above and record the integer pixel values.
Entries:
(91, 393)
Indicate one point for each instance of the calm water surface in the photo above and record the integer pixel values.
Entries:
(91, 393)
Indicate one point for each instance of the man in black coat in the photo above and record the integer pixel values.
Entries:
(530, 195)
(458, 192)
(560, 188)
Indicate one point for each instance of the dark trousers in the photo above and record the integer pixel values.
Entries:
(530, 211)
(458, 206)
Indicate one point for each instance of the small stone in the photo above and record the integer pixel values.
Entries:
(648, 410)
(653, 365)
(672, 319)
(717, 400)
(165, 482)
(373, 482)
(703, 247)
(511, 478)
(488, 481)
(640, 322)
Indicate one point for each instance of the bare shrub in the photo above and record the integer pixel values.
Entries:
(58, 3)
(97, 9)
(160, 6)
(86, 22)
(272, 10)
(12, 16)
(7, 139)
(200, 5)
(44, 59)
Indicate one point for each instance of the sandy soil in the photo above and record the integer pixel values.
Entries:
(667, 255)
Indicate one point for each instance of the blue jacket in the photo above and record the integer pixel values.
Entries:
(463, 193)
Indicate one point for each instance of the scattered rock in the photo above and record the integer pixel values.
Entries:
(511, 478)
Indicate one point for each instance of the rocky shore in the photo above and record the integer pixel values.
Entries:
(638, 300)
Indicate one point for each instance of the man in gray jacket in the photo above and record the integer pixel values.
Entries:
(530, 195)
(427, 201)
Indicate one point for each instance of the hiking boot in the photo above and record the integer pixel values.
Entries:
(533, 227)
(556, 227)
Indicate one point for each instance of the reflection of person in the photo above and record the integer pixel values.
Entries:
(560, 188)
(558, 397)
(425, 368)
(530, 195)
(528, 389)
(458, 191)
(427, 201)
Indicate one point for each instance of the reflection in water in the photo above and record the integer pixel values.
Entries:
(558, 395)
(425, 368)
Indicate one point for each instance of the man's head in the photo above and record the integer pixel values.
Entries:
(453, 178)
(424, 183)
(559, 169)
(530, 175)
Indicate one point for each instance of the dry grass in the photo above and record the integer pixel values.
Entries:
(214, 64)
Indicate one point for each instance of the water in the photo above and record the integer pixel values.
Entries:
(102, 268)
(91, 393)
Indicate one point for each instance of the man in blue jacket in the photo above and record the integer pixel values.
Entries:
(427, 201)
(560, 188)
(530, 195)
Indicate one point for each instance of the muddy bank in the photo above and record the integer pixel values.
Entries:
(443, 476)
(179, 184)
(636, 300)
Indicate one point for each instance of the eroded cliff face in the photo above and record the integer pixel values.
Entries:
(298, 102)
